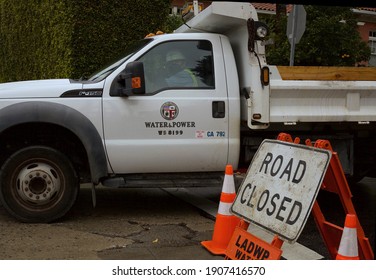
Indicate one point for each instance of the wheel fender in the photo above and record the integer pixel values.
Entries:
(62, 115)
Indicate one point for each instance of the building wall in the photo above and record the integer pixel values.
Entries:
(365, 32)
(365, 29)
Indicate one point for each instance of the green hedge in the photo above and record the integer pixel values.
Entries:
(43, 39)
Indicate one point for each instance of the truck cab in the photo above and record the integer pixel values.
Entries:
(182, 118)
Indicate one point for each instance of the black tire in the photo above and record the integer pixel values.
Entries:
(38, 184)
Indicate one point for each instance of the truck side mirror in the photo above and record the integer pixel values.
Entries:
(131, 81)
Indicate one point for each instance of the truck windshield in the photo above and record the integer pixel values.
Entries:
(133, 48)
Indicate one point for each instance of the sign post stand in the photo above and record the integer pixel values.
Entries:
(269, 197)
(335, 182)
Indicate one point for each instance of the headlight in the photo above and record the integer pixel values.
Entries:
(261, 32)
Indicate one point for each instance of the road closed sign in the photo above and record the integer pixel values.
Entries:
(281, 186)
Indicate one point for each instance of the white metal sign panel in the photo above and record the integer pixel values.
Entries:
(281, 186)
(296, 23)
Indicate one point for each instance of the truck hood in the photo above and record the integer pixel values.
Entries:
(38, 88)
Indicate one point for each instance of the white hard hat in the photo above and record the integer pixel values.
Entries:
(174, 55)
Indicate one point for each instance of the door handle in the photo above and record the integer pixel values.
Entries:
(218, 109)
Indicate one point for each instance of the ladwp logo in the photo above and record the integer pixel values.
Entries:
(169, 111)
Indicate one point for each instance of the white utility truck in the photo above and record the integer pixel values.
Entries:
(178, 106)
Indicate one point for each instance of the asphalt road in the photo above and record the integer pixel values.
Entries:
(125, 224)
(152, 223)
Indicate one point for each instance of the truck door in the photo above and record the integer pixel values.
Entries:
(181, 123)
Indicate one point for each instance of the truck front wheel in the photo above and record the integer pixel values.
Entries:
(38, 184)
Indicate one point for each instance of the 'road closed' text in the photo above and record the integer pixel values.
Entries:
(283, 208)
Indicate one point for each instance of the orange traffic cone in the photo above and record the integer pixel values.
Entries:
(348, 247)
(225, 222)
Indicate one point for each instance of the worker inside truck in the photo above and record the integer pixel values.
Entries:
(179, 74)
(179, 64)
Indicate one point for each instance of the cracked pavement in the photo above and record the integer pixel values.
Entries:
(142, 223)
(148, 224)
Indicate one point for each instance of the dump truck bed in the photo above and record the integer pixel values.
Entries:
(322, 94)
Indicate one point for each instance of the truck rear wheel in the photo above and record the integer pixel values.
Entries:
(38, 184)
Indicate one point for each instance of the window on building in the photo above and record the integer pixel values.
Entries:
(372, 41)
(175, 10)
(372, 45)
